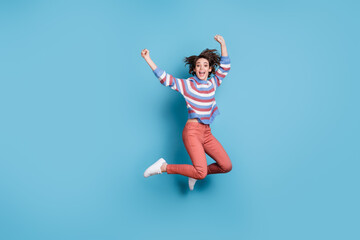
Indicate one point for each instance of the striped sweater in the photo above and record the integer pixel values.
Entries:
(199, 94)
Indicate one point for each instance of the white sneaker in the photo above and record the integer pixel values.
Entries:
(192, 182)
(155, 168)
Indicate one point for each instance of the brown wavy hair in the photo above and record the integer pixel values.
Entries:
(209, 54)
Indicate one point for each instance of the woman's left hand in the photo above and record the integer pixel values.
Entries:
(219, 39)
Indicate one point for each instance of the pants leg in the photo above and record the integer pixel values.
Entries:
(216, 151)
(193, 138)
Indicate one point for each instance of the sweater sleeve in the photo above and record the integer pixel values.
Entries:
(169, 81)
(223, 70)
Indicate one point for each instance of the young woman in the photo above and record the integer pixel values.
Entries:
(199, 94)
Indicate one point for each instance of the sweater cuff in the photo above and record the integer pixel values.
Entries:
(158, 72)
(225, 60)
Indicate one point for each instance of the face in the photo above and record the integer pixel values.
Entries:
(202, 69)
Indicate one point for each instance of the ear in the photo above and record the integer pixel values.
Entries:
(210, 69)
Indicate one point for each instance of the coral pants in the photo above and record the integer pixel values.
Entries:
(199, 140)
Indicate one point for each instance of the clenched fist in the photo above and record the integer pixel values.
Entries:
(145, 53)
(219, 39)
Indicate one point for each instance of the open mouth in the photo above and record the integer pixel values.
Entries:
(202, 74)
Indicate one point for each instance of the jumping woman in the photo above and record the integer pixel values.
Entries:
(199, 93)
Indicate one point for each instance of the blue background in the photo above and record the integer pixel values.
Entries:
(82, 117)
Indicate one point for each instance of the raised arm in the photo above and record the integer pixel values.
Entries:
(224, 67)
(165, 78)
(146, 55)
(221, 40)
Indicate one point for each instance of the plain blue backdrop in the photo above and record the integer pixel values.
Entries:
(82, 116)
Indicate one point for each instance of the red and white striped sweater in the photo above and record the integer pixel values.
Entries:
(199, 94)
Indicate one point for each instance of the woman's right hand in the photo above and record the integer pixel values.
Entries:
(145, 53)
